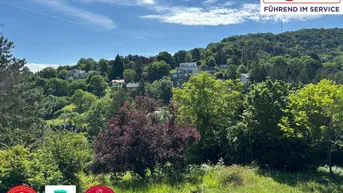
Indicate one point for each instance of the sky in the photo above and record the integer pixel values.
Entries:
(60, 32)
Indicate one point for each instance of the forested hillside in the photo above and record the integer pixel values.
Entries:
(122, 123)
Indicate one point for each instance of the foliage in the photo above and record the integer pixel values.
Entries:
(158, 69)
(242, 69)
(11, 69)
(129, 75)
(195, 55)
(104, 67)
(136, 142)
(57, 87)
(48, 72)
(13, 169)
(117, 68)
(62, 73)
(97, 117)
(105, 109)
(87, 64)
(316, 116)
(21, 114)
(166, 57)
(219, 179)
(97, 86)
(210, 61)
(69, 151)
(180, 56)
(20, 166)
(77, 84)
(83, 100)
(261, 140)
(212, 106)
(161, 89)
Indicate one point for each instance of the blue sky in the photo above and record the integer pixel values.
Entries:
(60, 32)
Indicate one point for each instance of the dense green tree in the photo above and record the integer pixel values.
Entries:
(97, 86)
(242, 69)
(13, 167)
(20, 166)
(161, 89)
(316, 116)
(68, 150)
(117, 68)
(180, 56)
(118, 97)
(261, 140)
(188, 57)
(130, 65)
(158, 69)
(62, 73)
(141, 87)
(97, 116)
(104, 67)
(195, 55)
(139, 68)
(309, 69)
(83, 100)
(77, 84)
(210, 61)
(166, 57)
(212, 106)
(22, 104)
(48, 72)
(90, 75)
(11, 68)
(57, 87)
(129, 75)
(87, 64)
(258, 72)
(105, 109)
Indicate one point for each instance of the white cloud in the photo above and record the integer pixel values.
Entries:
(119, 2)
(37, 67)
(228, 4)
(209, 2)
(87, 16)
(149, 2)
(214, 16)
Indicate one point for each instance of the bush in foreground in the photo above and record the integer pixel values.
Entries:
(136, 141)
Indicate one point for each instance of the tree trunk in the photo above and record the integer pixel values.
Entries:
(329, 158)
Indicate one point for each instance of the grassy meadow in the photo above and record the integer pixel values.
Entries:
(221, 179)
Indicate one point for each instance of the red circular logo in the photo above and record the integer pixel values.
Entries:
(99, 189)
(21, 189)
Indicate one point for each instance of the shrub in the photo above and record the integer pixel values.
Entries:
(136, 141)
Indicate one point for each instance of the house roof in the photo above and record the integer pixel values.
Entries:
(188, 64)
(245, 75)
(132, 85)
(118, 81)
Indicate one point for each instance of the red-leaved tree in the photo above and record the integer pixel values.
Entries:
(136, 141)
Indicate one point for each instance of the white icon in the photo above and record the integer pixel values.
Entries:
(99, 191)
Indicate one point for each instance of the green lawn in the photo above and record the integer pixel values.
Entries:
(234, 179)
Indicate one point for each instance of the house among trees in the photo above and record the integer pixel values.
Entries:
(118, 83)
(75, 73)
(188, 67)
(179, 78)
(223, 66)
(183, 73)
(245, 78)
(132, 86)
